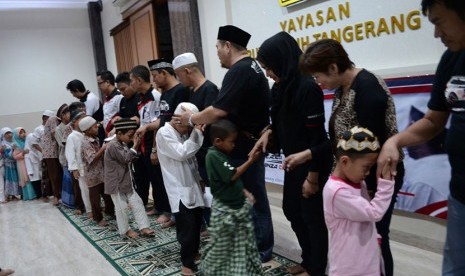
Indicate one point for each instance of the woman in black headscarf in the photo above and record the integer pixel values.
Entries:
(297, 115)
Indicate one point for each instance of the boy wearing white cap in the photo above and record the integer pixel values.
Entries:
(75, 165)
(177, 145)
(92, 159)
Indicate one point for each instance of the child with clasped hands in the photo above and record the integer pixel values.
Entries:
(350, 213)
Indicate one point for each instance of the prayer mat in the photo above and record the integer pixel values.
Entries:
(157, 255)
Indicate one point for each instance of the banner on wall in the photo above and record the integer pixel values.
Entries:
(427, 170)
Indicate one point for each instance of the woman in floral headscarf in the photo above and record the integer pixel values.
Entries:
(19, 140)
(12, 190)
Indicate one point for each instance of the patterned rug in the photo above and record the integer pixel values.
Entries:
(157, 255)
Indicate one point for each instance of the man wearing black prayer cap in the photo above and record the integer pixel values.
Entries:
(244, 99)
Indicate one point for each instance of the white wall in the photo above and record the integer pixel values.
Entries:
(41, 50)
(111, 17)
(404, 53)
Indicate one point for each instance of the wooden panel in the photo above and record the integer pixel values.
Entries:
(123, 47)
(144, 41)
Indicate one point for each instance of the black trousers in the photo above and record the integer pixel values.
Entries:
(152, 174)
(307, 221)
(95, 193)
(188, 223)
(142, 180)
(37, 187)
(78, 203)
(55, 173)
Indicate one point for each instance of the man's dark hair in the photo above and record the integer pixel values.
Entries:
(222, 129)
(142, 72)
(107, 76)
(123, 77)
(456, 5)
(76, 86)
(167, 69)
(234, 45)
(75, 106)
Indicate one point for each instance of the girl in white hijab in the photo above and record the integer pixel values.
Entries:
(11, 184)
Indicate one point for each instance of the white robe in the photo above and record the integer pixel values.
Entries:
(179, 166)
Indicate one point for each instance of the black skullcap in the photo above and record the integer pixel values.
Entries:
(160, 63)
(234, 34)
(124, 124)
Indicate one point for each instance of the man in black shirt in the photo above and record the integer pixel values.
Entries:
(172, 94)
(202, 94)
(128, 105)
(447, 97)
(244, 99)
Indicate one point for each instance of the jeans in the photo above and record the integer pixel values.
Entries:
(454, 250)
(254, 182)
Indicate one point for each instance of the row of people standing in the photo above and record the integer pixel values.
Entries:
(20, 175)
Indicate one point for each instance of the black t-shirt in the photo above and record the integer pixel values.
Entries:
(205, 95)
(245, 96)
(448, 94)
(170, 99)
(128, 107)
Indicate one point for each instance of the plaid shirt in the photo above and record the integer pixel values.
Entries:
(93, 170)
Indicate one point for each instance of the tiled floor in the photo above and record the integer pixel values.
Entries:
(36, 239)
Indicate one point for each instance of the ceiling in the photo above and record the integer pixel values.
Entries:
(42, 4)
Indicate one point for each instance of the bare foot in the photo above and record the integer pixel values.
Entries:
(305, 273)
(147, 232)
(102, 223)
(89, 215)
(152, 212)
(204, 233)
(185, 271)
(163, 219)
(168, 224)
(45, 199)
(295, 269)
(56, 201)
(132, 234)
(78, 212)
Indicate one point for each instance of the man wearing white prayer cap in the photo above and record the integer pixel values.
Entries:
(202, 94)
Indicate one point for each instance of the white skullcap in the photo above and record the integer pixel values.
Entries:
(187, 106)
(48, 113)
(184, 59)
(86, 123)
